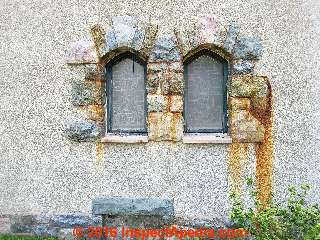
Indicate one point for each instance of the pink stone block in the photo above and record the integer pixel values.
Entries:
(82, 51)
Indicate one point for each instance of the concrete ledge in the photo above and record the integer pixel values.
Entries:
(117, 206)
(113, 138)
(206, 138)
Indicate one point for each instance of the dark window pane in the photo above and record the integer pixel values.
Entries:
(128, 96)
(205, 94)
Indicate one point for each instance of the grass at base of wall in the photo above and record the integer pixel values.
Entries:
(24, 237)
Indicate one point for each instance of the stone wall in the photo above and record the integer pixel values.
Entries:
(44, 173)
(165, 79)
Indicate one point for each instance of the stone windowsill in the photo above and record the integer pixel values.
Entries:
(207, 138)
(114, 138)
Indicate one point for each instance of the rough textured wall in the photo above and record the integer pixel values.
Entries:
(42, 171)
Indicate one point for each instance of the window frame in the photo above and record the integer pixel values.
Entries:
(206, 52)
(109, 90)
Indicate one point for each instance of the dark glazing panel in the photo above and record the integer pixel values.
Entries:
(205, 94)
(128, 96)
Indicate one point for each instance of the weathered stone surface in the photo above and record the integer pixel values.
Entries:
(173, 83)
(155, 67)
(183, 40)
(124, 29)
(81, 131)
(165, 49)
(50, 225)
(82, 52)
(157, 103)
(248, 86)
(208, 30)
(133, 206)
(69, 220)
(149, 39)
(92, 73)
(176, 103)
(243, 67)
(111, 41)
(94, 112)
(98, 35)
(45, 230)
(248, 48)
(86, 93)
(239, 104)
(175, 66)
(153, 82)
(230, 41)
(165, 126)
(137, 41)
(243, 126)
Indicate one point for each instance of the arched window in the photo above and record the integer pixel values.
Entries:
(205, 93)
(126, 94)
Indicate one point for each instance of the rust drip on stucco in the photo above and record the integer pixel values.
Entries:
(238, 152)
(238, 155)
(100, 153)
(264, 150)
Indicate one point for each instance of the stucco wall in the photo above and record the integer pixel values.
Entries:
(42, 171)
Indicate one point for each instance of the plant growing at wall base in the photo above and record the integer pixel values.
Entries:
(297, 220)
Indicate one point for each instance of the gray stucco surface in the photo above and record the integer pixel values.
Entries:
(42, 171)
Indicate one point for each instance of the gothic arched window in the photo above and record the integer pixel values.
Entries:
(126, 94)
(205, 93)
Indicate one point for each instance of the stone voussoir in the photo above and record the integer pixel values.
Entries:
(124, 29)
(98, 35)
(209, 30)
(149, 39)
(248, 48)
(233, 32)
(82, 52)
(165, 49)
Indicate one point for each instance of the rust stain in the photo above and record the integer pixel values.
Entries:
(100, 153)
(264, 150)
(238, 155)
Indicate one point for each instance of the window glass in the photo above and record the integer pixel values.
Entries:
(205, 95)
(127, 96)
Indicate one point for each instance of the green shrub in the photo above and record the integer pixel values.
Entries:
(294, 221)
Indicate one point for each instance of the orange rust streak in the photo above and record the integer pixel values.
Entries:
(100, 153)
(238, 154)
(264, 151)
